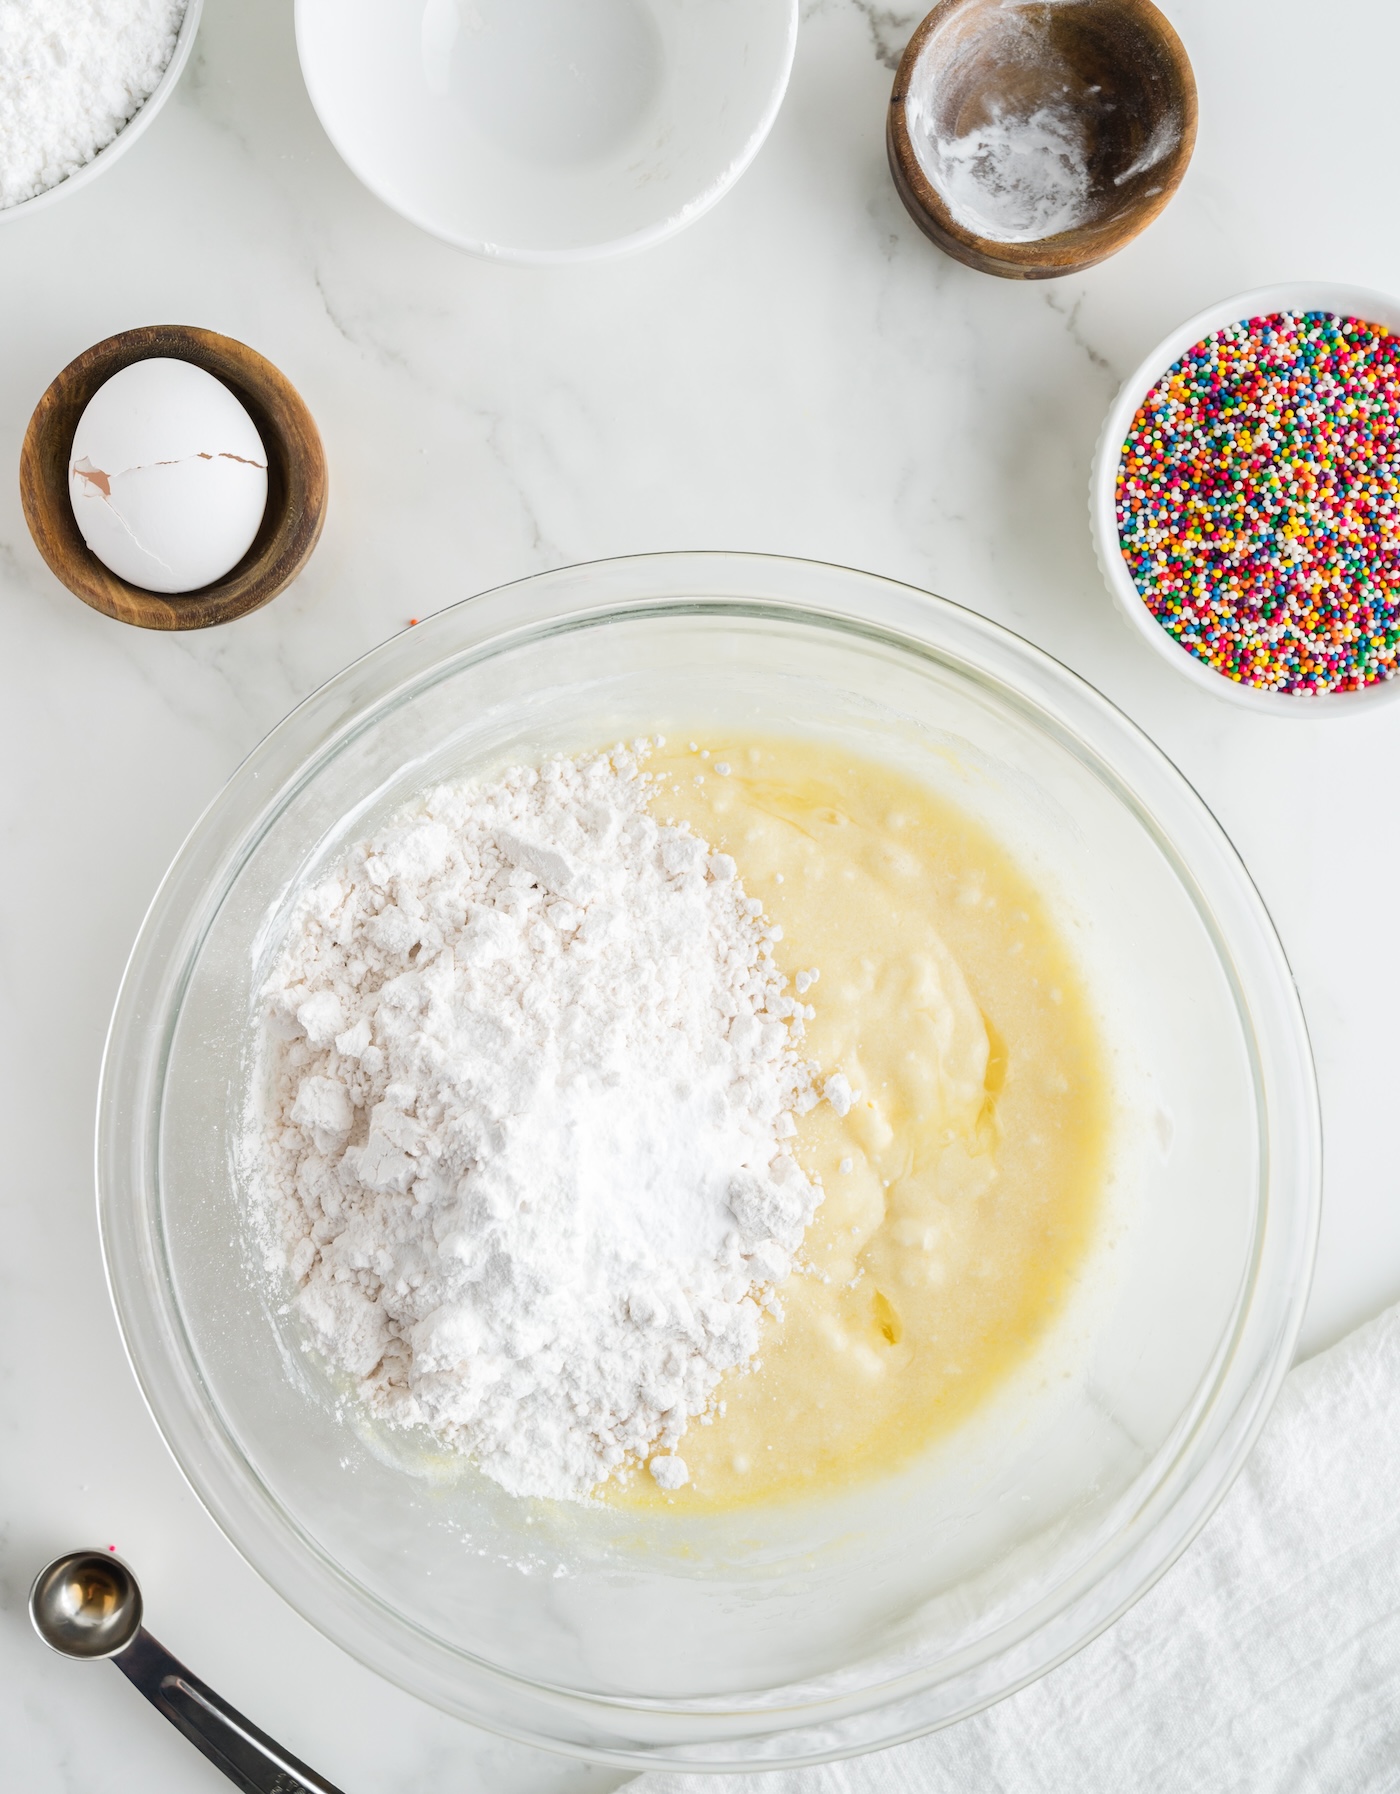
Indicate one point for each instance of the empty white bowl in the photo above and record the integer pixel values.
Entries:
(1298, 295)
(548, 130)
(129, 132)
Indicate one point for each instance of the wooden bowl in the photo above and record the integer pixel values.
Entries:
(1115, 67)
(296, 480)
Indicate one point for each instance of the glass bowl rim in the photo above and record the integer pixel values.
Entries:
(1213, 1436)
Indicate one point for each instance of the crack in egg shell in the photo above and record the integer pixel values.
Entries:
(167, 476)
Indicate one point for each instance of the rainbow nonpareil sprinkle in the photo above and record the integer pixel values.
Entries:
(1258, 502)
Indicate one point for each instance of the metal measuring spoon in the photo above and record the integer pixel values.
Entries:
(88, 1605)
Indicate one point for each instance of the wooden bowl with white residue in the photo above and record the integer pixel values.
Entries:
(1034, 138)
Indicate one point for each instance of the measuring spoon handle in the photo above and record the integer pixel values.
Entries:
(248, 1757)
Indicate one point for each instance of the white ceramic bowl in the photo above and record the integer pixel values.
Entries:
(1298, 295)
(129, 132)
(548, 130)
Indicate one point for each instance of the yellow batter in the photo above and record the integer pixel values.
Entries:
(961, 1187)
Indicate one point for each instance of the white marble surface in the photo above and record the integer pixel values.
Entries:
(799, 372)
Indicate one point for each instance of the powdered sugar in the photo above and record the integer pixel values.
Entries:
(530, 1071)
(72, 73)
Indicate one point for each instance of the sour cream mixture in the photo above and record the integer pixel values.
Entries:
(963, 1181)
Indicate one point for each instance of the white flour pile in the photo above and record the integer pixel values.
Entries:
(531, 1068)
(72, 73)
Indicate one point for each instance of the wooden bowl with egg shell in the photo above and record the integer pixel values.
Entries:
(296, 480)
(1127, 71)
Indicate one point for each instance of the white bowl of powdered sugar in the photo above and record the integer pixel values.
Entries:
(78, 85)
(509, 1062)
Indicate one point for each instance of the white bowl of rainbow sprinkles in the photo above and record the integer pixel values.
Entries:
(708, 1161)
(1245, 499)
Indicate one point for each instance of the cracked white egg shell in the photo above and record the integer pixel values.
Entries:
(167, 476)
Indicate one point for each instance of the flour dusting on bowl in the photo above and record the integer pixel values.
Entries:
(1032, 140)
(1014, 180)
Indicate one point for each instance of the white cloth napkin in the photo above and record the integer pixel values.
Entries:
(1266, 1660)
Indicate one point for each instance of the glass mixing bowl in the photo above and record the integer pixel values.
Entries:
(789, 1634)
